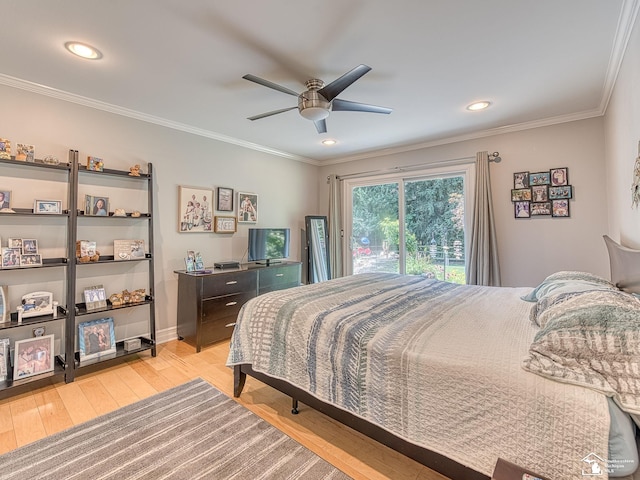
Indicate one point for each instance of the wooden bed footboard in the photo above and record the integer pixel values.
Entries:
(430, 459)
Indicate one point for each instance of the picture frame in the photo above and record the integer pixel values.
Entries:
(521, 180)
(4, 304)
(96, 340)
(224, 199)
(565, 191)
(521, 195)
(95, 298)
(559, 176)
(37, 304)
(194, 210)
(31, 260)
(96, 206)
(522, 209)
(539, 178)
(11, 257)
(247, 207)
(560, 208)
(47, 207)
(95, 164)
(25, 153)
(4, 358)
(540, 208)
(224, 224)
(14, 243)
(540, 193)
(5, 199)
(128, 250)
(5, 148)
(33, 356)
(29, 246)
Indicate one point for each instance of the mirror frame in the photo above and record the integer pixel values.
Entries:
(318, 263)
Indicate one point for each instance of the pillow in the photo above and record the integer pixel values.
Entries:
(568, 282)
(591, 339)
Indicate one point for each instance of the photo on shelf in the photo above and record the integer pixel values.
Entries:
(36, 304)
(29, 245)
(14, 243)
(33, 356)
(128, 250)
(95, 298)
(96, 340)
(47, 207)
(11, 257)
(5, 149)
(31, 260)
(96, 206)
(25, 153)
(95, 164)
(5, 199)
(4, 358)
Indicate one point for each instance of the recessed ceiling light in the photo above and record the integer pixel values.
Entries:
(328, 142)
(478, 106)
(83, 50)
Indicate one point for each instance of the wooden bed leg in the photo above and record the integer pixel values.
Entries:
(294, 406)
(239, 377)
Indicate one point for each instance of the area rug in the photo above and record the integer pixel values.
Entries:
(188, 432)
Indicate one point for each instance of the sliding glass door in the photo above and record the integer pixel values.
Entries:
(409, 224)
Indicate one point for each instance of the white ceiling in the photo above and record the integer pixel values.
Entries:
(180, 62)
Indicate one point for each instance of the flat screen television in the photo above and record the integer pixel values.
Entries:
(268, 245)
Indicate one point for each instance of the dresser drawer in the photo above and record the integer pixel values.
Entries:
(274, 278)
(217, 331)
(227, 283)
(227, 306)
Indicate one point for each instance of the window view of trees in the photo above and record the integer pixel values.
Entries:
(433, 231)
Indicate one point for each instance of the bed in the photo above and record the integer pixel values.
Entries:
(457, 376)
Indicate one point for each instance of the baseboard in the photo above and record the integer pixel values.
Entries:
(166, 335)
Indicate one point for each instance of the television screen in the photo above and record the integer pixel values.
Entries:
(266, 244)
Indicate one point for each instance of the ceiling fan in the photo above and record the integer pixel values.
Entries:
(319, 99)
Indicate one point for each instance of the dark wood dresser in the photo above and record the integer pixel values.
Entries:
(208, 303)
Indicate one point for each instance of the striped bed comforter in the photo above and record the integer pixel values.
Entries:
(435, 363)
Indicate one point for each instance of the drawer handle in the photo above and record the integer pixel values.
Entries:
(232, 282)
(231, 304)
(279, 274)
(230, 324)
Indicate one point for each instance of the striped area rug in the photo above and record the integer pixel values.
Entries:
(188, 432)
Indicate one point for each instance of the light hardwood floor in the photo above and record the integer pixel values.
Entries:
(34, 415)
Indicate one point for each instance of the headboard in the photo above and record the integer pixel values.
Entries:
(625, 266)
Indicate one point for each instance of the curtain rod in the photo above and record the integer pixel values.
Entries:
(493, 157)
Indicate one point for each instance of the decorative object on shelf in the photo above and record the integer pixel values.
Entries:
(36, 304)
(25, 153)
(128, 249)
(29, 246)
(199, 262)
(95, 298)
(126, 297)
(39, 331)
(119, 212)
(225, 199)
(14, 243)
(635, 186)
(247, 207)
(135, 171)
(33, 356)
(10, 257)
(31, 260)
(96, 206)
(132, 344)
(86, 251)
(195, 214)
(96, 340)
(4, 358)
(47, 207)
(5, 199)
(5, 149)
(224, 224)
(4, 302)
(135, 214)
(95, 164)
(51, 160)
(542, 193)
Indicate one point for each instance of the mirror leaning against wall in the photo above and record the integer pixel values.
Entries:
(317, 249)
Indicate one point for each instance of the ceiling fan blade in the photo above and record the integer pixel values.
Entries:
(268, 114)
(267, 83)
(332, 90)
(321, 125)
(347, 106)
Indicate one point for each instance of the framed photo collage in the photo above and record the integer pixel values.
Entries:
(541, 193)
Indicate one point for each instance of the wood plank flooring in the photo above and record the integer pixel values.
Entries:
(34, 415)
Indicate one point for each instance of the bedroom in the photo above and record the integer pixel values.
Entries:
(599, 152)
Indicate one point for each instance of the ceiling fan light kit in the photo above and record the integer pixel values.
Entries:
(317, 102)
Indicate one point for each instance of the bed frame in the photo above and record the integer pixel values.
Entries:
(625, 274)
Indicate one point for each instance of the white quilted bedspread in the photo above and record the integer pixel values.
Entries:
(435, 363)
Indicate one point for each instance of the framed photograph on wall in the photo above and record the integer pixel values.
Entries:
(195, 209)
(559, 176)
(521, 180)
(33, 356)
(560, 208)
(224, 224)
(247, 207)
(521, 195)
(543, 208)
(540, 193)
(96, 340)
(96, 206)
(565, 191)
(539, 178)
(51, 207)
(522, 209)
(225, 199)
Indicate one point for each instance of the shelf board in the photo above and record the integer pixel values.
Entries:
(111, 259)
(29, 383)
(46, 262)
(81, 214)
(21, 212)
(112, 172)
(13, 323)
(81, 308)
(145, 345)
(38, 163)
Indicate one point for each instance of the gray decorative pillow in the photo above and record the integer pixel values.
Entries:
(568, 282)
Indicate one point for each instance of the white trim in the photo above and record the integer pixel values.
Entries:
(166, 335)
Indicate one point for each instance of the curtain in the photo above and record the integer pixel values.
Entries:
(335, 226)
(483, 268)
